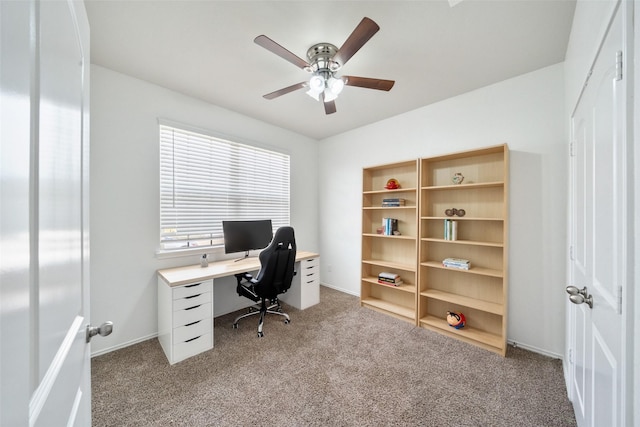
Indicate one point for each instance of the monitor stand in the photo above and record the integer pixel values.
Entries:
(246, 255)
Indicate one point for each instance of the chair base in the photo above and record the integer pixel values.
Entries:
(262, 310)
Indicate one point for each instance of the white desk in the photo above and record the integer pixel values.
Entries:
(185, 300)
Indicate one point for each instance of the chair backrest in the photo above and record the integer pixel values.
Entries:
(277, 262)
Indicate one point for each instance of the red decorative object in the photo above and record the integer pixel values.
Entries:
(392, 184)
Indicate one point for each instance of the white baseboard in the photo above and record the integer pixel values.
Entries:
(537, 350)
(123, 345)
(340, 289)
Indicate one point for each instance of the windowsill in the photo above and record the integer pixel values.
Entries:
(177, 253)
(215, 253)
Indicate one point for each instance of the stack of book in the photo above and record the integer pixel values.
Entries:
(389, 225)
(393, 203)
(391, 279)
(462, 264)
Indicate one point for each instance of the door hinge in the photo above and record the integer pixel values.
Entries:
(619, 299)
(618, 66)
(571, 256)
(572, 148)
(570, 355)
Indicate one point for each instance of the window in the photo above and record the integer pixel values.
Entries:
(205, 180)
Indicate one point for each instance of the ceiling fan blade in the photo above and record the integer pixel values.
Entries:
(368, 83)
(283, 53)
(363, 32)
(285, 90)
(329, 106)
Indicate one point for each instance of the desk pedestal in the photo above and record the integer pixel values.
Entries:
(305, 287)
(185, 319)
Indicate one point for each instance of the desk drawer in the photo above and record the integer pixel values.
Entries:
(310, 263)
(190, 315)
(311, 281)
(191, 301)
(310, 272)
(192, 347)
(193, 330)
(193, 289)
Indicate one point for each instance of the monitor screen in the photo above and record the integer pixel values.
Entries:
(245, 236)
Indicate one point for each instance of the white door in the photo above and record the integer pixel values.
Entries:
(598, 269)
(45, 357)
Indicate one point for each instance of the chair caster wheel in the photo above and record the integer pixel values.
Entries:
(260, 334)
(286, 321)
(235, 326)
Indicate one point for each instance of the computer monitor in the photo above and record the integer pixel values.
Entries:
(245, 236)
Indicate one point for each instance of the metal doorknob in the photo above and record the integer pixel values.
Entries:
(572, 290)
(579, 296)
(103, 330)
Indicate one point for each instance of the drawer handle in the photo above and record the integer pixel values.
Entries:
(192, 339)
(192, 296)
(193, 323)
(191, 286)
(311, 281)
(195, 306)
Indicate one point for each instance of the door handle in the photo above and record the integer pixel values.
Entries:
(579, 296)
(103, 330)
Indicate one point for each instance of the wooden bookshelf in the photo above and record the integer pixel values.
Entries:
(480, 293)
(390, 253)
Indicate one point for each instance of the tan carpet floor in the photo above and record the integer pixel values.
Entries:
(335, 364)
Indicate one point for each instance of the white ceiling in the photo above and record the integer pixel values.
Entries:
(432, 50)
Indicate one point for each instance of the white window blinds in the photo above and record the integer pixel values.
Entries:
(205, 180)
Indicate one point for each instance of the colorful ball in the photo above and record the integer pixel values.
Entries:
(456, 319)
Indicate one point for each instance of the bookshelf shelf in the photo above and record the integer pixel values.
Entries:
(470, 186)
(401, 312)
(488, 340)
(473, 270)
(480, 293)
(389, 207)
(490, 307)
(401, 288)
(396, 191)
(463, 242)
(384, 236)
(390, 265)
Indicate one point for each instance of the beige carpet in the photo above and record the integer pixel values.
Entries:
(335, 364)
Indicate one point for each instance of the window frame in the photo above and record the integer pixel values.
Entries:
(232, 143)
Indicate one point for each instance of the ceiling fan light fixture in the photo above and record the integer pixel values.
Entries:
(313, 94)
(316, 83)
(335, 85)
(329, 95)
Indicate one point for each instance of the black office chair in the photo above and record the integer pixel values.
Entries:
(277, 263)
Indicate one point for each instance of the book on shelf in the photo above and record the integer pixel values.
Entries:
(462, 264)
(392, 279)
(450, 229)
(397, 283)
(389, 225)
(393, 202)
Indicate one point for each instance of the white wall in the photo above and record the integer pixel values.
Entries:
(527, 113)
(125, 196)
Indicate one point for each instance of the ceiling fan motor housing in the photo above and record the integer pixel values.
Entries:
(320, 57)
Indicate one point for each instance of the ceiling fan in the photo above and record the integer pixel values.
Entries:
(325, 60)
